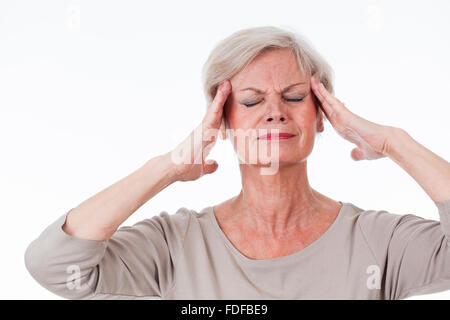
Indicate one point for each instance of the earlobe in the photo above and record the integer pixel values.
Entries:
(320, 126)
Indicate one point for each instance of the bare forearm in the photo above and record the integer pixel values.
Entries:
(429, 170)
(98, 217)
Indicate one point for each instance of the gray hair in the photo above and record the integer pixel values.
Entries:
(235, 52)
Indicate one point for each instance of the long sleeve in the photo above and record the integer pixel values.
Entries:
(413, 252)
(136, 262)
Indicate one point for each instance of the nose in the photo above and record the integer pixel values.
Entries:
(275, 114)
(275, 118)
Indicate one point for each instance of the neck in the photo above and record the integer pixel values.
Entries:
(273, 204)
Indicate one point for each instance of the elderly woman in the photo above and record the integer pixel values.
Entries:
(278, 238)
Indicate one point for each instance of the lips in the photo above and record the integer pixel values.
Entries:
(279, 136)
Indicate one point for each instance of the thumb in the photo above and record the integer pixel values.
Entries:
(357, 154)
(210, 166)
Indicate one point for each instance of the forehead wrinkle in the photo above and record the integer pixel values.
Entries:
(269, 69)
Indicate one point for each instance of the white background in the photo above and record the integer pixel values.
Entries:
(90, 90)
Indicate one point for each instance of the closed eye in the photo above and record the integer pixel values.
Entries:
(289, 100)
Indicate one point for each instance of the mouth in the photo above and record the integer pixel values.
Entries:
(279, 136)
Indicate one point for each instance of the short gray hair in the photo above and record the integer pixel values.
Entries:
(235, 52)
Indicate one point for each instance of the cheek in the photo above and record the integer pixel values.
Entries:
(240, 118)
(305, 120)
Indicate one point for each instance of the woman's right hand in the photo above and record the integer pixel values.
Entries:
(189, 156)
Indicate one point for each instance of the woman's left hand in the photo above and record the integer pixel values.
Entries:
(371, 138)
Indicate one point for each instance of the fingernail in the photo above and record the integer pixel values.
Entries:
(224, 86)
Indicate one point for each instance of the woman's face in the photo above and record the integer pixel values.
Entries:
(281, 99)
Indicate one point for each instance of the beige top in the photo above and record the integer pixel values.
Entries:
(364, 254)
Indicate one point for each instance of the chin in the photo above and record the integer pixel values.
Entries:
(287, 159)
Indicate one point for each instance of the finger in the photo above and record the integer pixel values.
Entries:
(357, 154)
(323, 103)
(209, 142)
(222, 129)
(214, 113)
(331, 102)
(210, 166)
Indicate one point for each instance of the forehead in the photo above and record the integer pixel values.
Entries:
(274, 67)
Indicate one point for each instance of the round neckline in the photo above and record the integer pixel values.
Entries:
(286, 258)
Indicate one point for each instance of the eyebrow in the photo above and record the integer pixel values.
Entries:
(284, 90)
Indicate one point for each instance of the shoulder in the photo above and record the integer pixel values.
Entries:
(177, 221)
(370, 216)
(379, 227)
(172, 221)
(375, 223)
(166, 225)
